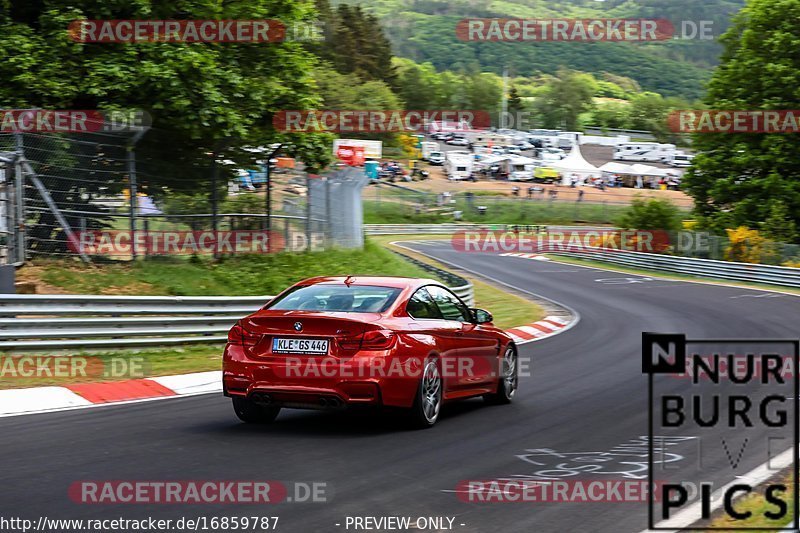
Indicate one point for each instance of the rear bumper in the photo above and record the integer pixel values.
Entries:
(273, 382)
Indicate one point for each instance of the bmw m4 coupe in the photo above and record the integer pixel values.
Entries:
(339, 342)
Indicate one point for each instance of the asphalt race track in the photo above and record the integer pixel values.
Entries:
(587, 394)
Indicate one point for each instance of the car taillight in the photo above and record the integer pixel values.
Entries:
(241, 337)
(378, 339)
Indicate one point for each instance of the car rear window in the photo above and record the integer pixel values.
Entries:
(337, 298)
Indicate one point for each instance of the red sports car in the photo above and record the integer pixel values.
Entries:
(337, 342)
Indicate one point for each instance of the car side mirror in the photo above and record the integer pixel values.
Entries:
(481, 316)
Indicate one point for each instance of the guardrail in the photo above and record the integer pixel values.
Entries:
(37, 322)
(709, 268)
(461, 287)
(446, 229)
(55, 321)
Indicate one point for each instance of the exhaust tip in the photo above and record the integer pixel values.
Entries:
(261, 399)
(323, 401)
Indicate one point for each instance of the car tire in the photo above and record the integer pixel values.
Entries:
(428, 400)
(253, 413)
(509, 379)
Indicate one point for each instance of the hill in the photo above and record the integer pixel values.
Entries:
(424, 30)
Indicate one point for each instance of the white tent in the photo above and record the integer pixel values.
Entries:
(575, 164)
(647, 170)
(521, 160)
(616, 168)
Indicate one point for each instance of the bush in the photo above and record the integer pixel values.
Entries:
(746, 245)
(651, 214)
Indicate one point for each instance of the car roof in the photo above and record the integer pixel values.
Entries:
(380, 281)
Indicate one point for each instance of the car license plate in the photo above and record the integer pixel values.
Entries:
(303, 346)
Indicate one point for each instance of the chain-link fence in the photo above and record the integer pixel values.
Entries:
(82, 195)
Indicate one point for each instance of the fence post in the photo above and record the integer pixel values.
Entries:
(328, 227)
(146, 233)
(20, 206)
(132, 190)
(214, 177)
(308, 212)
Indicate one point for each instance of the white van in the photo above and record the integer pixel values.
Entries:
(458, 165)
(428, 147)
(680, 160)
(644, 151)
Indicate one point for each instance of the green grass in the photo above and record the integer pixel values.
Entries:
(499, 211)
(247, 275)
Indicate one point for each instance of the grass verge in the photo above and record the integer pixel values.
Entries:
(498, 211)
(247, 275)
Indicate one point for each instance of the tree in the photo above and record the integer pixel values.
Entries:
(202, 97)
(612, 115)
(515, 104)
(568, 95)
(354, 43)
(739, 179)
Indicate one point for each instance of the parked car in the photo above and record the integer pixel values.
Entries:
(436, 158)
(329, 343)
(552, 153)
(458, 141)
(512, 149)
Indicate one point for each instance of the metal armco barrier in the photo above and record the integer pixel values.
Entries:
(49, 322)
(55, 321)
(446, 229)
(460, 286)
(709, 268)
(424, 229)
